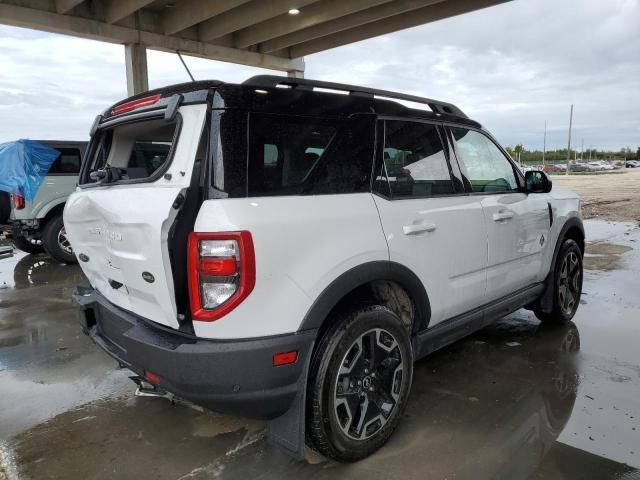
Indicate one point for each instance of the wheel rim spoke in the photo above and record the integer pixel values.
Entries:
(368, 384)
(569, 282)
(364, 409)
(63, 241)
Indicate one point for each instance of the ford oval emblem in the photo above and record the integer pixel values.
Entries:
(148, 277)
(83, 257)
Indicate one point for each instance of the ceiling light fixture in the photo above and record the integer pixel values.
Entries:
(294, 11)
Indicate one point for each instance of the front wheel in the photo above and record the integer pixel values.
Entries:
(359, 383)
(567, 286)
(55, 241)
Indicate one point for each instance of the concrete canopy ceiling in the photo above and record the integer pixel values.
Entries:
(259, 33)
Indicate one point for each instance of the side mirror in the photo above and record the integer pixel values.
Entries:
(537, 182)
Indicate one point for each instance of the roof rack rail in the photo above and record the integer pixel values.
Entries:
(272, 81)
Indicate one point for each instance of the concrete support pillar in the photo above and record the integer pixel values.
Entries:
(298, 70)
(136, 65)
(295, 73)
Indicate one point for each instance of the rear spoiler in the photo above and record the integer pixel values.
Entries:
(151, 104)
(146, 107)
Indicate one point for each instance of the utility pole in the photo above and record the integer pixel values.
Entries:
(569, 145)
(582, 151)
(544, 143)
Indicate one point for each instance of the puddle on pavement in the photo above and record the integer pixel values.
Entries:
(139, 438)
(604, 256)
(33, 335)
(604, 230)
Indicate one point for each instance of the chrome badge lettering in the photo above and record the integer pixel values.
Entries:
(110, 234)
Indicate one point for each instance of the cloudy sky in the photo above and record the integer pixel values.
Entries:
(511, 67)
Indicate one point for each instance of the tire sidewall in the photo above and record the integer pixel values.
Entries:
(362, 321)
(50, 241)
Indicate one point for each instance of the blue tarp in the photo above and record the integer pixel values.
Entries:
(23, 165)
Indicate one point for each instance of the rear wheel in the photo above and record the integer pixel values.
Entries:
(55, 241)
(567, 284)
(30, 245)
(359, 383)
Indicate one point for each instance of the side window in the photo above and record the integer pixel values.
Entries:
(294, 155)
(414, 159)
(68, 163)
(482, 162)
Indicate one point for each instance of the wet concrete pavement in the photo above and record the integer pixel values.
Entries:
(515, 400)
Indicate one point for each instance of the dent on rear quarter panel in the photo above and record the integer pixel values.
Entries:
(302, 243)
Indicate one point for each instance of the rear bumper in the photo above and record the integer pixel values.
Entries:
(234, 376)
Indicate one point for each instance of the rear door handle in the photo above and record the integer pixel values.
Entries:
(418, 228)
(501, 216)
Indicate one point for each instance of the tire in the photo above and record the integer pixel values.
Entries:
(334, 427)
(31, 246)
(55, 241)
(567, 286)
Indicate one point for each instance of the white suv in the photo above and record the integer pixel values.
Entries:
(283, 250)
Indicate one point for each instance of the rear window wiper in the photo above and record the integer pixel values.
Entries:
(107, 175)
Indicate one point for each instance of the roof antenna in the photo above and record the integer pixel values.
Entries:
(185, 65)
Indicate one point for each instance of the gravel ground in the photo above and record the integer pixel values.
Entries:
(610, 196)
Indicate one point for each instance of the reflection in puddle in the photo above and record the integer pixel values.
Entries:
(33, 270)
(33, 335)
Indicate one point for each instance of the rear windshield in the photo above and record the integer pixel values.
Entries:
(131, 152)
(264, 154)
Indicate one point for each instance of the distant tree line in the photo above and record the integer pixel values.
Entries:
(519, 153)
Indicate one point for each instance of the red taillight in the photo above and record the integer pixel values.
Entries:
(133, 104)
(284, 358)
(17, 201)
(221, 270)
(222, 267)
(151, 377)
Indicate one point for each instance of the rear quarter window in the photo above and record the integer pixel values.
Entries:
(137, 151)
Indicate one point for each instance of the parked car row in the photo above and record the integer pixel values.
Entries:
(595, 166)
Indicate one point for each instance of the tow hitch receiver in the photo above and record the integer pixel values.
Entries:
(146, 389)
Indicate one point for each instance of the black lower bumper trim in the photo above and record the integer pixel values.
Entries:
(235, 376)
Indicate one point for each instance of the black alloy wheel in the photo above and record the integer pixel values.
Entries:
(359, 383)
(567, 287)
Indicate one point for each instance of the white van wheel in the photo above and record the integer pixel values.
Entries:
(56, 243)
